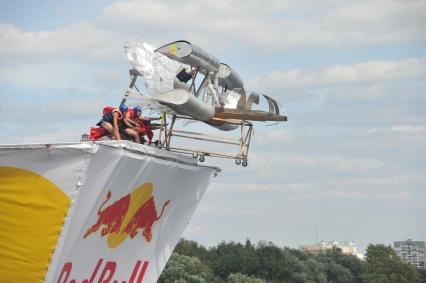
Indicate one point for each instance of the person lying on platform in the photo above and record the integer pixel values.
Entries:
(183, 76)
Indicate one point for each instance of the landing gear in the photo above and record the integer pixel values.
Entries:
(201, 158)
(243, 162)
(195, 155)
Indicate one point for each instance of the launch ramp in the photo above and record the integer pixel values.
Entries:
(93, 212)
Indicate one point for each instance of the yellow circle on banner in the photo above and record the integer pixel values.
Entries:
(32, 212)
(138, 197)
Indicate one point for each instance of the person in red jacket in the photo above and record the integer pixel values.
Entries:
(141, 123)
(130, 126)
(112, 121)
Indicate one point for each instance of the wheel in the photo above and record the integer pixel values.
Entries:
(245, 163)
(238, 161)
(201, 158)
(194, 154)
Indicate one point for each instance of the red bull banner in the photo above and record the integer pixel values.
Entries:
(93, 212)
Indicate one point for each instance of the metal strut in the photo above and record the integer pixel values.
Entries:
(243, 142)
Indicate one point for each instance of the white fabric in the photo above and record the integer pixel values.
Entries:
(158, 71)
(87, 172)
(231, 99)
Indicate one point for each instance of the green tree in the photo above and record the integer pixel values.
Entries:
(192, 248)
(272, 262)
(422, 273)
(227, 258)
(384, 266)
(264, 262)
(185, 269)
(233, 257)
(353, 264)
(242, 278)
(317, 270)
(338, 274)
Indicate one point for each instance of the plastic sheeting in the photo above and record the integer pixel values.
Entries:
(158, 71)
(129, 206)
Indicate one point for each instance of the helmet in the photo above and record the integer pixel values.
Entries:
(123, 108)
(137, 109)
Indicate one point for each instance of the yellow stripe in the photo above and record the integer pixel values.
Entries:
(32, 212)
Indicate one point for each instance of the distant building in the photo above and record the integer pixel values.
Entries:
(412, 252)
(347, 248)
(85, 137)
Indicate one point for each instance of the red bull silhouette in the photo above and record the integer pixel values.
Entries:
(126, 216)
(111, 217)
(144, 218)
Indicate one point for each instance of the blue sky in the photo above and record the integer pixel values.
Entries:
(351, 75)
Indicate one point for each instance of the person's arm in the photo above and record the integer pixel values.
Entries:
(129, 123)
(116, 131)
(150, 118)
(133, 123)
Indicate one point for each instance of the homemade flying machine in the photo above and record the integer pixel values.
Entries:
(185, 82)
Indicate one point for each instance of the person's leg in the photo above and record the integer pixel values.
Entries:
(107, 126)
(133, 134)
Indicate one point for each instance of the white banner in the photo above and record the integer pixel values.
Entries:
(129, 208)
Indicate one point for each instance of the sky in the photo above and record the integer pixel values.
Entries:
(349, 165)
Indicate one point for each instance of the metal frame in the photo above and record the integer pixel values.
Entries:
(167, 131)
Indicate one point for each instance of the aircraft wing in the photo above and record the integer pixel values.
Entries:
(248, 115)
(187, 53)
(149, 103)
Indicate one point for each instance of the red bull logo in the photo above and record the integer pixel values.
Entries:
(107, 273)
(127, 216)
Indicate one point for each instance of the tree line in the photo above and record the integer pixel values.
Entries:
(264, 262)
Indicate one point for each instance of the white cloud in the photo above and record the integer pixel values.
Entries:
(53, 136)
(268, 164)
(398, 196)
(196, 231)
(276, 26)
(250, 188)
(208, 23)
(378, 21)
(214, 25)
(408, 129)
(383, 188)
(81, 39)
(77, 109)
(274, 135)
(366, 72)
(381, 184)
(405, 142)
(412, 131)
(54, 121)
(252, 24)
(49, 75)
